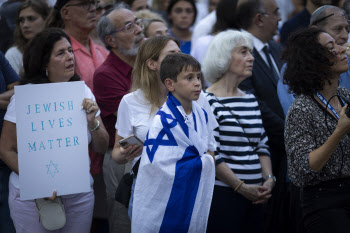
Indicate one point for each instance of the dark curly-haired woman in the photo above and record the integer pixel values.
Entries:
(317, 130)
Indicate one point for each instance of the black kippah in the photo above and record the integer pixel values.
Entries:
(60, 3)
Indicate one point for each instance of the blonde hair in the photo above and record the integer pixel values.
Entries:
(144, 78)
(147, 14)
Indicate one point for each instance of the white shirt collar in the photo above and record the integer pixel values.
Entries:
(258, 44)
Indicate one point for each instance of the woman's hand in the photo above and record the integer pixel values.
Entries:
(54, 195)
(343, 125)
(100, 138)
(130, 152)
(91, 109)
(319, 157)
(257, 194)
(266, 195)
(123, 155)
(270, 183)
(346, 46)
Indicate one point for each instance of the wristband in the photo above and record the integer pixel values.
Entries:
(270, 176)
(97, 126)
(238, 186)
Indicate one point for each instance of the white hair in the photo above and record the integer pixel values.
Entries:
(219, 54)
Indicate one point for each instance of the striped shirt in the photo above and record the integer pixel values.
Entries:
(239, 118)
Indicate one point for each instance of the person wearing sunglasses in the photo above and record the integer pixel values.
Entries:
(102, 7)
(78, 19)
(122, 33)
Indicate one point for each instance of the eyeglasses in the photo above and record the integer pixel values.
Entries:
(86, 4)
(130, 27)
(276, 13)
(105, 7)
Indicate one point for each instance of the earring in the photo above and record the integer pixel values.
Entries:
(47, 73)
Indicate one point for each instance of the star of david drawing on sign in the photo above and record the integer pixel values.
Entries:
(52, 169)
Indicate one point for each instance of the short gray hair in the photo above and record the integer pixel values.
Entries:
(219, 54)
(105, 26)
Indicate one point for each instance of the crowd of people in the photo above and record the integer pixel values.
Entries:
(241, 106)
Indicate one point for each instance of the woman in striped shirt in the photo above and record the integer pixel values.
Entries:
(244, 174)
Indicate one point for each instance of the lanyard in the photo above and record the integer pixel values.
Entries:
(323, 100)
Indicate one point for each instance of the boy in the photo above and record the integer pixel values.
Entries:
(175, 181)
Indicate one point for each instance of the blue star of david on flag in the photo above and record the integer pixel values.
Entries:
(159, 141)
(52, 169)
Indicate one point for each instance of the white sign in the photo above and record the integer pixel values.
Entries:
(52, 139)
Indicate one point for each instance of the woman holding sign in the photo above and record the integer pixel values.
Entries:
(49, 59)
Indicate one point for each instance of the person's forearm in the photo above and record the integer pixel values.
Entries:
(5, 99)
(226, 175)
(266, 167)
(100, 138)
(8, 145)
(11, 160)
(319, 157)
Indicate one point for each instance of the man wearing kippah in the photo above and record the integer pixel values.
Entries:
(302, 19)
(333, 21)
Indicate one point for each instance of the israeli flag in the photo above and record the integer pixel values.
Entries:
(175, 182)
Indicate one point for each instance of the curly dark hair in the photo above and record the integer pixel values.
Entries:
(308, 62)
(37, 55)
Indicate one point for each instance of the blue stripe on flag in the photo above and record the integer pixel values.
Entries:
(178, 213)
(206, 115)
(172, 102)
(195, 121)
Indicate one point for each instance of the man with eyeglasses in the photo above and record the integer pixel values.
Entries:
(302, 19)
(79, 18)
(122, 33)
